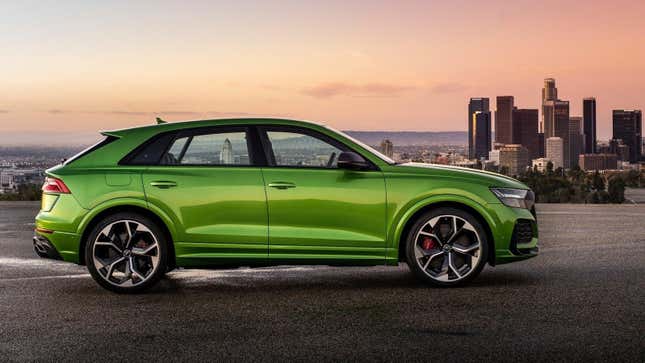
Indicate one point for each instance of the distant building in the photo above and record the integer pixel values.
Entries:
(540, 164)
(503, 119)
(549, 93)
(475, 104)
(515, 157)
(481, 135)
(387, 148)
(541, 144)
(589, 125)
(493, 156)
(628, 126)
(557, 125)
(525, 130)
(575, 140)
(226, 154)
(598, 161)
(555, 151)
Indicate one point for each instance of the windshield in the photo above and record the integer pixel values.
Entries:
(365, 146)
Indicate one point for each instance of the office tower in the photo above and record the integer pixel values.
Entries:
(226, 155)
(481, 135)
(549, 93)
(503, 119)
(387, 148)
(555, 151)
(474, 105)
(628, 126)
(557, 125)
(598, 162)
(515, 157)
(589, 124)
(541, 141)
(575, 141)
(525, 130)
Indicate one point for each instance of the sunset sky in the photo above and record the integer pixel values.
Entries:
(75, 67)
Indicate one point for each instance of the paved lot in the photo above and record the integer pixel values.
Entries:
(583, 298)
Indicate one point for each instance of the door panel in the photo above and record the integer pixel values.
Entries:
(326, 214)
(317, 212)
(207, 184)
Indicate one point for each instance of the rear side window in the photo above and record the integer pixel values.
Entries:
(217, 148)
(150, 153)
(91, 149)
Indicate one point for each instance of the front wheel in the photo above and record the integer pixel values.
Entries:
(446, 247)
(126, 253)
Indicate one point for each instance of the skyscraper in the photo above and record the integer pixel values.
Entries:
(226, 155)
(514, 157)
(525, 130)
(481, 135)
(503, 119)
(628, 126)
(575, 141)
(557, 125)
(549, 93)
(555, 151)
(475, 104)
(589, 124)
(387, 148)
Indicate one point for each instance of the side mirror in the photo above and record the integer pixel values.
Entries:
(352, 161)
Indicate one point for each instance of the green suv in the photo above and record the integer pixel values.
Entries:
(260, 192)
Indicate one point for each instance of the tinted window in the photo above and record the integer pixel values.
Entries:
(302, 150)
(221, 148)
(150, 153)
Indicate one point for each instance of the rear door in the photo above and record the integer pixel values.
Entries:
(317, 212)
(209, 181)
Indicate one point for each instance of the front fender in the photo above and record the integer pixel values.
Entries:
(408, 212)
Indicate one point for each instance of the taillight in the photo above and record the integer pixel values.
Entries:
(55, 185)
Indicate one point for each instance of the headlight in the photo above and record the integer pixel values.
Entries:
(516, 198)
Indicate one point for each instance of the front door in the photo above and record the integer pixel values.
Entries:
(317, 212)
(208, 182)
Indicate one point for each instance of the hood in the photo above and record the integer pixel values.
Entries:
(491, 178)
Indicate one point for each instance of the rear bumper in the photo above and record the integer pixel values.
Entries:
(45, 249)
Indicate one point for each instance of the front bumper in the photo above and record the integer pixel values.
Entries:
(516, 237)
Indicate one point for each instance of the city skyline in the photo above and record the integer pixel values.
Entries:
(326, 62)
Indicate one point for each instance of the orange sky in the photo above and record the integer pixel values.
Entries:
(81, 66)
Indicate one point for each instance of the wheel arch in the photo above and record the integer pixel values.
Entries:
(130, 206)
(471, 207)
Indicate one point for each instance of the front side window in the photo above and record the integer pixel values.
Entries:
(296, 149)
(222, 148)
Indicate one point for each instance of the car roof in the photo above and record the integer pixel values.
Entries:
(171, 126)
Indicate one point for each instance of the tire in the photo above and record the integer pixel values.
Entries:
(439, 257)
(126, 253)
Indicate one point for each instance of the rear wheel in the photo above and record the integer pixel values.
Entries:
(446, 247)
(126, 253)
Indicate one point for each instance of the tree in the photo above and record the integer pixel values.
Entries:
(549, 168)
(616, 190)
(597, 182)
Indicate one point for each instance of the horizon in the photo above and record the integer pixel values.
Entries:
(120, 65)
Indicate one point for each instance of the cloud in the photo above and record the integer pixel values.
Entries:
(57, 111)
(448, 87)
(4, 111)
(377, 89)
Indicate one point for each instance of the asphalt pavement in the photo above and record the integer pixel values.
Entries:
(582, 298)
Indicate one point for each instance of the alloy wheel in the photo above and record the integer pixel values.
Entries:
(447, 248)
(126, 253)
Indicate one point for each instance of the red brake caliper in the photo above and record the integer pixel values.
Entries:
(428, 243)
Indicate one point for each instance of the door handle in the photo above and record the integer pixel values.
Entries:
(282, 185)
(163, 184)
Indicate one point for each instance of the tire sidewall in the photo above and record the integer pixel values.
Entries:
(161, 241)
(421, 221)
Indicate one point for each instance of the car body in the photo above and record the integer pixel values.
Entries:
(258, 192)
